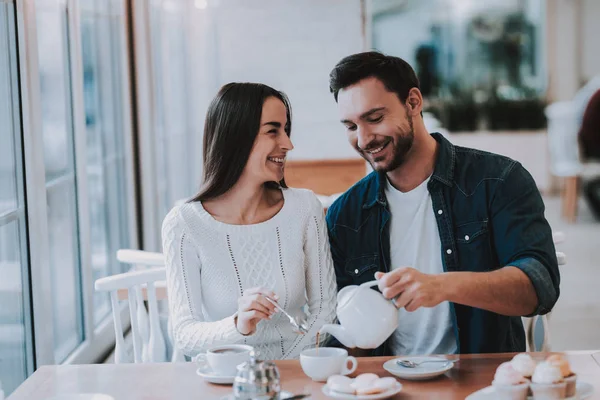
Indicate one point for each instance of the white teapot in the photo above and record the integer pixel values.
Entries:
(366, 318)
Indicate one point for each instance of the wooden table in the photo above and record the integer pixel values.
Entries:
(179, 381)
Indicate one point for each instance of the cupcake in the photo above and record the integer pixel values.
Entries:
(565, 369)
(524, 364)
(509, 383)
(547, 382)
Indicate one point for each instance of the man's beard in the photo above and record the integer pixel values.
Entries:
(402, 144)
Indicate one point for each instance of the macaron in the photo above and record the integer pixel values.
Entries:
(341, 384)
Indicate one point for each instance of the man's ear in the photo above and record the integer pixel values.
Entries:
(414, 101)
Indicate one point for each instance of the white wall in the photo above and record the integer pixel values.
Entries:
(562, 36)
(573, 51)
(590, 32)
(291, 46)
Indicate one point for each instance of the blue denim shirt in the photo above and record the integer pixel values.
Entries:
(490, 214)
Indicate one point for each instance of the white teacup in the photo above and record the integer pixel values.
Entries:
(223, 360)
(330, 361)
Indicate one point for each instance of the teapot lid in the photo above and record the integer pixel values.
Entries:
(257, 370)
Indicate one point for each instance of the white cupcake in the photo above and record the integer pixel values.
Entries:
(548, 383)
(524, 364)
(565, 369)
(509, 383)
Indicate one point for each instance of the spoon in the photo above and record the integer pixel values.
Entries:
(412, 364)
(298, 323)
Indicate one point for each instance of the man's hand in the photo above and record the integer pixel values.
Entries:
(412, 288)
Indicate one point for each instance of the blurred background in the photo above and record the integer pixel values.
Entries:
(102, 106)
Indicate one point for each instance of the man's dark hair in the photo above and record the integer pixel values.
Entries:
(396, 74)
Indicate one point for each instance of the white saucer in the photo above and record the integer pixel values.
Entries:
(81, 396)
(420, 373)
(208, 375)
(584, 390)
(345, 396)
(282, 395)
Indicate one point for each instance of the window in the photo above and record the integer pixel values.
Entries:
(66, 179)
(103, 77)
(84, 100)
(173, 135)
(61, 189)
(16, 352)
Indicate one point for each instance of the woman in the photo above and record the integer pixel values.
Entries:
(246, 237)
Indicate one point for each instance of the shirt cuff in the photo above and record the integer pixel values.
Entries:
(542, 283)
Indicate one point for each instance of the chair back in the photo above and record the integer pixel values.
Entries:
(148, 341)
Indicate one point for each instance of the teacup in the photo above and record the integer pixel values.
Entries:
(223, 360)
(320, 364)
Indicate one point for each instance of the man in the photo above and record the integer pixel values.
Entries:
(456, 236)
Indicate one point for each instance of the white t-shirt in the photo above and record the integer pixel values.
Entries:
(415, 242)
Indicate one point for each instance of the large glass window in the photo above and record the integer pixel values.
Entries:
(61, 188)
(102, 22)
(174, 135)
(15, 325)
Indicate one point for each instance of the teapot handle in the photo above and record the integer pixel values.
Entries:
(369, 284)
(375, 283)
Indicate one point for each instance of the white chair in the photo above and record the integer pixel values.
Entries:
(564, 121)
(145, 281)
(530, 324)
(154, 350)
(141, 258)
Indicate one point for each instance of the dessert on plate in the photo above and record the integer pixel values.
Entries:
(509, 383)
(365, 384)
(524, 364)
(565, 369)
(548, 382)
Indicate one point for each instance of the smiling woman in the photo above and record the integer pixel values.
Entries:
(247, 245)
(229, 143)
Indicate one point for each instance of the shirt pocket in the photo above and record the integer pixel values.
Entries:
(362, 269)
(471, 231)
(473, 246)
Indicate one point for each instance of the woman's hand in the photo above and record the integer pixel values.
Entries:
(253, 307)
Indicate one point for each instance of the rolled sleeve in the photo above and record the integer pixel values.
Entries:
(542, 283)
(522, 235)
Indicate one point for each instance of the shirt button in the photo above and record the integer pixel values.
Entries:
(356, 271)
(449, 251)
(440, 212)
(466, 237)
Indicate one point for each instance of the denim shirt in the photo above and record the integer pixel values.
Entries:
(489, 214)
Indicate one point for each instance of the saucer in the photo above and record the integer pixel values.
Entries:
(209, 375)
(81, 396)
(420, 373)
(379, 396)
(584, 390)
(282, 396)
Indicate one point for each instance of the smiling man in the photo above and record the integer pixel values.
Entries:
(456, 236)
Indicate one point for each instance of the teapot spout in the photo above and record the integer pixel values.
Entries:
(340, 334)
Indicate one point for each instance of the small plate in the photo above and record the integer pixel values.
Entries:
(208, 375)
(345, 396)
(584, 390)
(420, 373)
(81, 396)
(282, 395)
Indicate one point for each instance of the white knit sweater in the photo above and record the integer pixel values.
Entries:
(210, 264)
